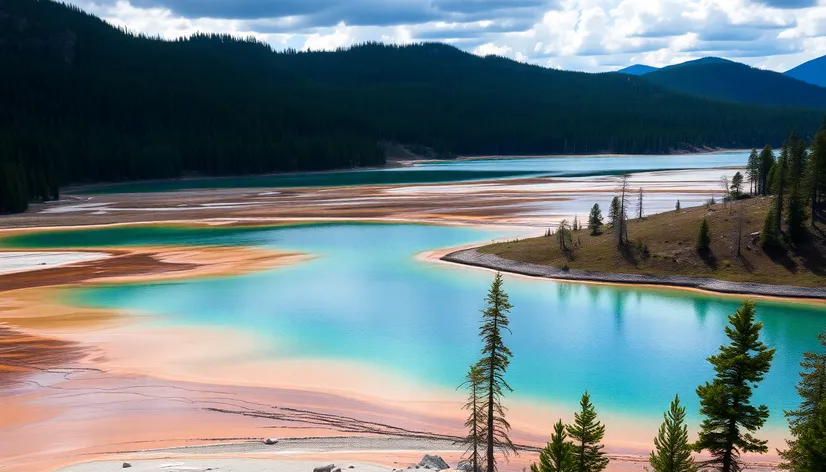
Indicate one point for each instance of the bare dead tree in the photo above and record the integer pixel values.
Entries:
(726, 191)
(622, 223)
(640, 212)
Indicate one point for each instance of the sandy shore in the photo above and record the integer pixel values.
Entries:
(472, 257)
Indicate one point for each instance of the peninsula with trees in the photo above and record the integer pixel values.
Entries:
(762, 234)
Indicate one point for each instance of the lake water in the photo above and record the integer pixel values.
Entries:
(450, 171)
(366, 298)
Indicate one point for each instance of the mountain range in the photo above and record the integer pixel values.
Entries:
(84, 101)
(721, 78)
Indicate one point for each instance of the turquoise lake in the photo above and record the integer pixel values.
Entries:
(365, 297)
(449, 171)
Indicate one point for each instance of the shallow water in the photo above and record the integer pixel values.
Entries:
(367, 298)
(449, 171)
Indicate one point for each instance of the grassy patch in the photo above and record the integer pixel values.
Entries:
(665, 244)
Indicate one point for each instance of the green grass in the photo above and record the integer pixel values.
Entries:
(671, 238)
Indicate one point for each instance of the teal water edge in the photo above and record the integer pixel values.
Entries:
(366, 298)
(447, 171)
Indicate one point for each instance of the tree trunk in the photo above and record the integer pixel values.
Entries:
(491, 379)
(814, 207)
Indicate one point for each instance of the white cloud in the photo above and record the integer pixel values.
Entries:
(490, 49)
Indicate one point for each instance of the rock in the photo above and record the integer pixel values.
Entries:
(126, 465)
(465, 466)
(325, 468)
(337, 469)
(433, 462)
(352, 467)
(270, 441)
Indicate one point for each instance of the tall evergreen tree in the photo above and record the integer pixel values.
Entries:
(730, 418)
(557, 455)
(766, 162)
(563, 237)
(804, 420)
(492, 366)
(816, 172)
(595, 219)
(672, 450)
(586, 434)
(704, 237)
(613, 213)
(770, 236)
(737, 185)
(779, 184)
(753, 170)
(474, 381)
(798, 193)
(811, 446)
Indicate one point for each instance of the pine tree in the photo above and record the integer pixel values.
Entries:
(737, 185)
(640, 212)
(493, 365)
(476, 416)
(563, 236)
(586, 434)
(557, 455)
(672, 450)
(595, 219)
(730, 418)
(779, 184)
(704, 237)
(816, 172)
(798, 193)
(613, 213)
(766, 162)
(770, 236)
(812, 446)
(621, 234)
(753, 170)
(804, 420)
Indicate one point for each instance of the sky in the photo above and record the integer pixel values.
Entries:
(585, 35)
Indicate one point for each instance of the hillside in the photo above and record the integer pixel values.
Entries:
(731, 81)
(86, 102)
(812, 72)
(670, 238)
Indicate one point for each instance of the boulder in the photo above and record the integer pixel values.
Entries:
(465, 466)
(433, 462)
(126, 465)
(271, 441)
(325, 468)
(337, 469)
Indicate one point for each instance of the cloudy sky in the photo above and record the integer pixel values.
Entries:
(588, 35)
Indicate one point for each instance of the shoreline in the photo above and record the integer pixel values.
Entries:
(472, 257)
(73, 190)
(629, 458)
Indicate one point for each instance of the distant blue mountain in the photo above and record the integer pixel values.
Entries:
(637, 69)
(700, 62)
(722, 79)
(813, 72)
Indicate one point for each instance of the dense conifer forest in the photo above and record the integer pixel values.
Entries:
(84, 101)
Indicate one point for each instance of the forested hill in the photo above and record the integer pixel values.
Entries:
(83, 101)
(721, 79)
